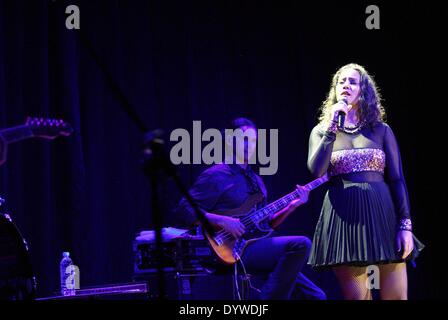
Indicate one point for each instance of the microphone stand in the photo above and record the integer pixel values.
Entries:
(152, 165)
(154, 161)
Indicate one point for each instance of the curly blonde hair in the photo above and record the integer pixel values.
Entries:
(370, 109)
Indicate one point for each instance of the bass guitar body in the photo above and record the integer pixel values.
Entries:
(256, 222)
(228, 248)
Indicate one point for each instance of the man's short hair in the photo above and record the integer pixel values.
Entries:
(241, 122)
(238, 123)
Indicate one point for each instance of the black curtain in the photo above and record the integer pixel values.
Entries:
(179, 61)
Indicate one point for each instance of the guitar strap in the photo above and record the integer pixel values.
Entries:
(254, 186)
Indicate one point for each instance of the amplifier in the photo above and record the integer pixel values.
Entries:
(203, 286)
(187, 255)
(197, 286)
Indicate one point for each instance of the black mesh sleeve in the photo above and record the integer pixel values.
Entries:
(319, 151)
(394, 175)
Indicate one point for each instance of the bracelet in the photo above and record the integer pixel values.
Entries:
(405, 225)
(333, 128)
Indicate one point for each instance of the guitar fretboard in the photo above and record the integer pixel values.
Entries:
(281, 203)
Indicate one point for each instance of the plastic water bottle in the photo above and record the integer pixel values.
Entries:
(67, 278)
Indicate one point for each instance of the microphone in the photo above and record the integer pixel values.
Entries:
(341, 115)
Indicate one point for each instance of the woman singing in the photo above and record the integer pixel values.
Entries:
(365, 218)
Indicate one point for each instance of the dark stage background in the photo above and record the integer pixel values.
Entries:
(179, 61)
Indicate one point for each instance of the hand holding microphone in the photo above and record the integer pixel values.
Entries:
(340, 110)
(341, 114)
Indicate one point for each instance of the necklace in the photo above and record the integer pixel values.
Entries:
(353, 130)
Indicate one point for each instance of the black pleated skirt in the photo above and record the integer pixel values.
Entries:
(357, 226)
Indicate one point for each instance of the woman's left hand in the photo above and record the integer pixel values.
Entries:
(405, 242)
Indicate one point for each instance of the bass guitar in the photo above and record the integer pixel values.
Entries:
(256, 222)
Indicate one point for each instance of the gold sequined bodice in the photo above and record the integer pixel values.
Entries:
(357, 160)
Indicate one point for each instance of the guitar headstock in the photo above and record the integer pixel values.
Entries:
(48, 128)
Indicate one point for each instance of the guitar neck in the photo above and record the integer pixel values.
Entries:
(15, 134)
(284, 201)
(316, 183)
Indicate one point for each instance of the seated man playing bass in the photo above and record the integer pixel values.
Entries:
(220, 190)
